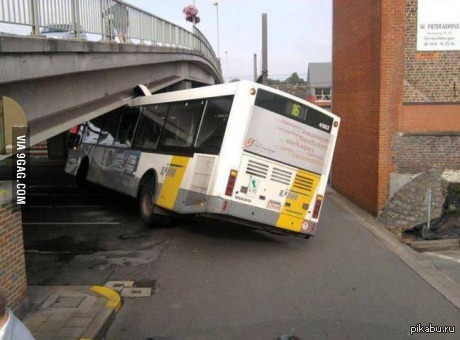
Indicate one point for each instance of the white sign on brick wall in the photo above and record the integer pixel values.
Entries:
(438, 25)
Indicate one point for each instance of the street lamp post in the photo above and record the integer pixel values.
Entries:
(218, 43)
(226, 59)
(194, 17)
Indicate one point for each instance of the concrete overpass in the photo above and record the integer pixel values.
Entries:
(60, 83)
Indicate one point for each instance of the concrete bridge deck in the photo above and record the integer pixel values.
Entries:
(60, 83)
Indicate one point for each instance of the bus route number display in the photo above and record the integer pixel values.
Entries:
(296, 111)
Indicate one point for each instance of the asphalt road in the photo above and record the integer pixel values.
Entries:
(217, 281)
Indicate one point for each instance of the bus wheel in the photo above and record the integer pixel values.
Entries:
(147, 203)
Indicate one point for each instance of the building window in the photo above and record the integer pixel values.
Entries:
(322, 94)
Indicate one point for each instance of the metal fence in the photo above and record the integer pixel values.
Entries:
(110, 20)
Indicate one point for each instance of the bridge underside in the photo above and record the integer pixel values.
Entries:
(60, 84)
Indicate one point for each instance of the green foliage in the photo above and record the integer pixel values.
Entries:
(273, 81)
(294, 79)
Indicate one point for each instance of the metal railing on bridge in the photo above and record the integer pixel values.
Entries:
(109, 20)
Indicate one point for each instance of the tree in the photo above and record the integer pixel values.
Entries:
(273, 81)
(294, 79)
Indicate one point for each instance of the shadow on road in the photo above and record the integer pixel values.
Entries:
(214, 228)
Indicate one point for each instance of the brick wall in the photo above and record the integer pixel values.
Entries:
(12, 262)
(430, 76)
(368, 70)
(383, 87)
(356, 72)
(417, 153)
(391, 89)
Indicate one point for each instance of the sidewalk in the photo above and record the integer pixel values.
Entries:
(71, 312)
(440, 269)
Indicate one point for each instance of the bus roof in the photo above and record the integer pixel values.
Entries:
(216, 91)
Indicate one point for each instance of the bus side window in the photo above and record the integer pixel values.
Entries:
(182, 123)
(109, 128)
(213, 125)
(93, 130)
(126, 127)
(150, 126)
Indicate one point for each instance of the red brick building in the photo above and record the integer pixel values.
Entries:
(400, 107)
(12, 261)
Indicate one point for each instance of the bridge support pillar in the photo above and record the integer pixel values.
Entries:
(183, 85)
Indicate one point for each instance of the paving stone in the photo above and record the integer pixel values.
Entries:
(60, 317)
(79, 322)
(67, 301)
(35, 322)
(95, 309)
(70, 332)
(50, 326)
(44, 335)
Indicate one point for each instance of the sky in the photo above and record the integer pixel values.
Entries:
(299, 32)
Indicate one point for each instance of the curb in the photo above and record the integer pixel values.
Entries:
(114, 298)
(435, 245)
(98, 328)
(440, 281)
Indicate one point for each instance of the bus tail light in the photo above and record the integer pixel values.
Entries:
(319, 201)
(231, 182)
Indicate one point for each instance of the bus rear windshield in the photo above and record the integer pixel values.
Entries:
(294, 110)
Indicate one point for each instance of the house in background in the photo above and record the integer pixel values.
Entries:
(319, 82)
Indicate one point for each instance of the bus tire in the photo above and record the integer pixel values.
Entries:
(147, 203)
(80, 177)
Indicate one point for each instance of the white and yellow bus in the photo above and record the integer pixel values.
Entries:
(241, 151)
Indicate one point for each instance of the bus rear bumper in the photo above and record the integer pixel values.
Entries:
(245, 214)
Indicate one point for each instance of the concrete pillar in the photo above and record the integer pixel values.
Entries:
(183, 85)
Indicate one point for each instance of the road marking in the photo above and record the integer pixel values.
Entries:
(74, 206)
(67, 194)
(444, 257)
(52, 186)
(68, 223)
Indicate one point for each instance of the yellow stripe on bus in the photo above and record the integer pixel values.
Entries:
(298, 201)
(171, 185)
(289, 222)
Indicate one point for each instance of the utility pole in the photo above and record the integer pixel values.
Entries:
(255, 67)
(228, 71)
(218, 43)
(264, 50)
(194, 17)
